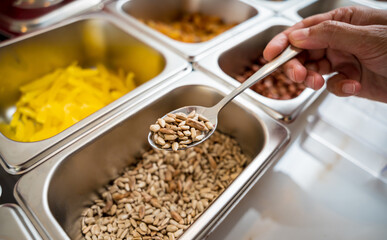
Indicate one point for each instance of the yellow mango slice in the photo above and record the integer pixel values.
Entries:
(59, 99)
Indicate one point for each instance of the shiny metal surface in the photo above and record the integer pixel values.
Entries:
(211, 113)
(306, 9)
(31, 4)
(90, 39)
(68, 10)
(55, 193)
(313, 189)
(236, 54)
(332, 126)
(15, 225)
(247, 12)
(277, 6)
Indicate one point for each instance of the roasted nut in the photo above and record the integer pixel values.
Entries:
(167, 131)
(195, 124)
(181, 116)
(161, 122)
(275, 86)
(188, 129)
(165, 191)
(154, 127)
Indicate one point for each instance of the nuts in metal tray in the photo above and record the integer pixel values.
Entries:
(275, 86)
(165, 192)
(178, 130)
(191, 27)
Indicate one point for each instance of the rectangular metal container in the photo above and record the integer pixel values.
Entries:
(46, 16)
(306, 9)
(15, 224)
(277, 6)
(247, 12)
(89, 39)
(56, 192)
(236, 54)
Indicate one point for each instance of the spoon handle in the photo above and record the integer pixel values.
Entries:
(268, 68)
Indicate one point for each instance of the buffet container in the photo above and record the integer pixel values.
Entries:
(306, 9)
(43, 17)
(89, 39)
(247, 12)
(279, 5)
(236, 54)
(56, 192)
(15, 224)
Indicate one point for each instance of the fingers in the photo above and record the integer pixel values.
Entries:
(275, 46)
(368, 16)
(295, 71)
(331, 34)
(341, 86)
(322, 66)
(352, 15)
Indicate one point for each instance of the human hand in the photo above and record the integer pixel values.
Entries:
(351, 41)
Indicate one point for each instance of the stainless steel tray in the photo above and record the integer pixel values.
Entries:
(248, 12)
(306, 9)
(15, 225)
(55, 193)
(89, 39)
(277, 6)
(68, 10)
(236, 53)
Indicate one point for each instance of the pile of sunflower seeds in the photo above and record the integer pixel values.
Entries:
(165, 192)
(178, 130)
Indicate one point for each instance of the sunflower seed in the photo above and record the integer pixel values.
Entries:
(165, 192)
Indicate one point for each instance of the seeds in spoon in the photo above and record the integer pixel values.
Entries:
(178, 130)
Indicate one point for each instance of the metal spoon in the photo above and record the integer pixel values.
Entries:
(212, 113)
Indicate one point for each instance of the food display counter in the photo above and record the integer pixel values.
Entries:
(79, 91)
(14, 224)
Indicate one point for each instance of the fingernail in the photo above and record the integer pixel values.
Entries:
(348, 88)
(300, 34)
(310, 81)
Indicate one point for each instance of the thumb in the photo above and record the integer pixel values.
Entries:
(331, 34)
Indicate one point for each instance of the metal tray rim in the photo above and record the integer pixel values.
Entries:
(17, 162)
(192, 51)
(284, 109)
(33, 199)
(68, 10)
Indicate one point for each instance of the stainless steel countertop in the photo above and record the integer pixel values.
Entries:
(15, 225)
(309, 197)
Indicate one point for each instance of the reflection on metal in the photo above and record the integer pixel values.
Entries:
(248, 13)
(94, 160)
(89, 40)
(237, 53)
(31, 4)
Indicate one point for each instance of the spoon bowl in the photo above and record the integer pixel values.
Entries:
(205, 111)
(211, 113)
